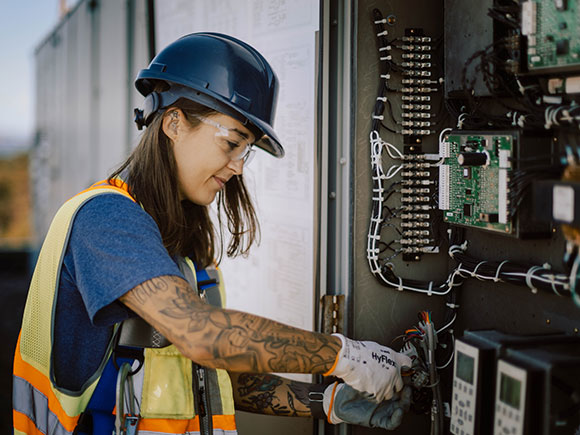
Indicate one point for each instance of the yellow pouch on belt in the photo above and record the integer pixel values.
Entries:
(167, 385)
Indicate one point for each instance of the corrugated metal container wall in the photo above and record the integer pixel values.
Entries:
(84, 96)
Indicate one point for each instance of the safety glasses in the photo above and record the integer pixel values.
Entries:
(233, 142)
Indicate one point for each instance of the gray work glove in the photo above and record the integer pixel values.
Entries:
(343, 404)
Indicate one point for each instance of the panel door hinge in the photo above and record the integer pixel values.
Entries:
(332, 314)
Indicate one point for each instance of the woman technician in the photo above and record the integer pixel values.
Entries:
(124, 325)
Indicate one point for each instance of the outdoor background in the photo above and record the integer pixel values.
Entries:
(23, 24)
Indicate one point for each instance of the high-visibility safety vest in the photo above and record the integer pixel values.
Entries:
(167, 402)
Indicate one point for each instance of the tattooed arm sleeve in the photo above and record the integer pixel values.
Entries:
(274, 395)
(232, 340)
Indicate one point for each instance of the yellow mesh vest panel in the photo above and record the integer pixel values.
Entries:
(37, 323)
(224, 381)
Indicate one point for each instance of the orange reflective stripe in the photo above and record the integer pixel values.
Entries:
(223, 422)
(23, 424)
(42, 383)
(119, 186)
(169, 426)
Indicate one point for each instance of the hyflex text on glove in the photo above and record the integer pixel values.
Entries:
(369, 367)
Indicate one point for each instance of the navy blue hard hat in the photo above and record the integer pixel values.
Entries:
(217, 71)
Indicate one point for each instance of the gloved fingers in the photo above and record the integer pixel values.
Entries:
(354, 407)
(388, 415)
(395, 420)
(403, 360)
(405, 397)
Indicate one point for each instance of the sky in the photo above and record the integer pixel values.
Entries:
(23, 25)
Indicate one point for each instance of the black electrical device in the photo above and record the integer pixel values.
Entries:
(476, 355)
(557, 201)
(538, 390)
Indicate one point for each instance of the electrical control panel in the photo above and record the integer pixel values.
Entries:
(511, 387)
(474, 156)
(466, 399)
(476, 355)
(537, 389)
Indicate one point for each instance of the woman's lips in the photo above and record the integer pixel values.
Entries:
(221, 182)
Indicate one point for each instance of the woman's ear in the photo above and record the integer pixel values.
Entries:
(170, 124)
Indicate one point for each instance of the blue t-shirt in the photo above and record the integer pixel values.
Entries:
(113, 247)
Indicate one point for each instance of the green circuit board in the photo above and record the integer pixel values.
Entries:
(476, 195)
(551, 27)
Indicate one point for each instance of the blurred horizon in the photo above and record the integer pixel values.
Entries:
(23, 26)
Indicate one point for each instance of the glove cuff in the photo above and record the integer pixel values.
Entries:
(329, 395)
(343, 340)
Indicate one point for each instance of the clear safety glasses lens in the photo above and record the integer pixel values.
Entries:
(249, 155)
(231, 141)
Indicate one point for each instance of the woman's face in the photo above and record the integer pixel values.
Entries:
(206, 154)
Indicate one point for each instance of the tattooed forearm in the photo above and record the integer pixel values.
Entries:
(236, 341)
(149, 288)
(270, 394)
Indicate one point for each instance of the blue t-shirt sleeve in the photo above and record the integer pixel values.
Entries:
(113, 247)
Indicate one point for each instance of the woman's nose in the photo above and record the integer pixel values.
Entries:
(237, 166)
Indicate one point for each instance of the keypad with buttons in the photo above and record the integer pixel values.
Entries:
(463, 409)
(507, 420)
(509, 405)
(463, 398)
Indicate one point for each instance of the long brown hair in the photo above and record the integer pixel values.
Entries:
(186, 228)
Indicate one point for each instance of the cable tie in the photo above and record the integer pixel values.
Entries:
(383, 21)
(452, 306)
(383, 99)
(385, 76)
(474, 273)
(496, 278)
(383, 33)
(430, 290)
(400, 287)
(389, 57)
(530, 275)
(379, 117)
(553, 282)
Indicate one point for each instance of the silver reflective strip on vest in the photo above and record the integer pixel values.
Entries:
(32, 403)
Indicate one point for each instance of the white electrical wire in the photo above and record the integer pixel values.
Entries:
(451, 356)
(443, 328)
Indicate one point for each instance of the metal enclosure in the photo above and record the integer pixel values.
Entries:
(84, 99)
(380, 313)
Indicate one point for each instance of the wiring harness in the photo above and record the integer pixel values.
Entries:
(420, 344)
(385, 217)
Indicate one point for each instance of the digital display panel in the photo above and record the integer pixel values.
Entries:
(465, 366)
(510, 391)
